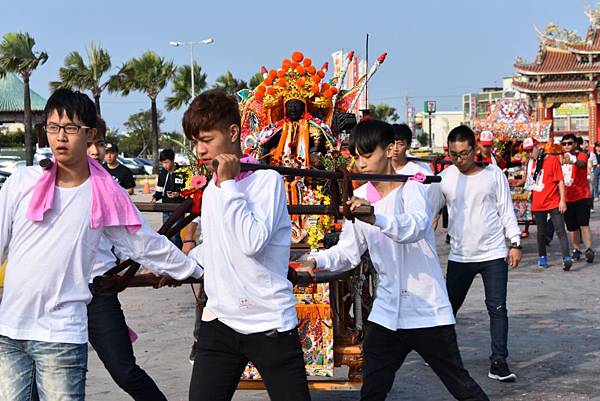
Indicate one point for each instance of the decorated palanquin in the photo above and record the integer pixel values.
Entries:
(286, 121)
(511, 121)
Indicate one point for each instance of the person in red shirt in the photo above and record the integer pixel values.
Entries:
(486, 145)
(578, 197)
(545, 179)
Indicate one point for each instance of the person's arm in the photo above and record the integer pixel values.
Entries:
(346, 253)
(189, 239)
(562, 204)
(506, 209)
(413, 223)
(129, 181)
(153, 250)
(436, 197)
(160, 187)
(7, 207)
(581, 161)
(252, 229)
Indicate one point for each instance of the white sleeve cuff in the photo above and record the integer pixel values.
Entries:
(515, 239)
(381, 221)
(229, 186)
(199, 272)
(320, 261)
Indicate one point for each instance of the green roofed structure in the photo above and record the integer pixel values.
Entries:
(12, 101)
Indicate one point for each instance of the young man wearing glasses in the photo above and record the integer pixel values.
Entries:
(577, 216)
(481, 216)
(51, 223)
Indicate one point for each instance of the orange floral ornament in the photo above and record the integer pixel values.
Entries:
(297, 56)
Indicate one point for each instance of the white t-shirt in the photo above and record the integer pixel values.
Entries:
(480, 213)
(245, 251)
(411, 291)
(50, 262)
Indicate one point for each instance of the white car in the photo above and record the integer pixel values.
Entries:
(10, 166)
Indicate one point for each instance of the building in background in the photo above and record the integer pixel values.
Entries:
(442, 122)
(12, 105)
(562, 81)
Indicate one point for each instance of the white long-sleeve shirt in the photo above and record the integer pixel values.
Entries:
(50, 262)
(411, 291)
(245, 252)
(480, 212)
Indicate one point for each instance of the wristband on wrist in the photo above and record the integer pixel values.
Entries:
(189, 241)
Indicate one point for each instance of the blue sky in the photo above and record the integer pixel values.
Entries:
(437, 49)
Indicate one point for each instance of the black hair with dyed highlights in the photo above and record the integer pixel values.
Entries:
(73, 104)
(369, 134)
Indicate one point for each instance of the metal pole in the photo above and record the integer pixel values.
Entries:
(192, 69)
(430, 144)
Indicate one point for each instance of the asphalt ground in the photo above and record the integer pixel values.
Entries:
(554, 337)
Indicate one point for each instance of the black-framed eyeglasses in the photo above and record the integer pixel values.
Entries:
(462, 155)
(70, 129)
(567, 143)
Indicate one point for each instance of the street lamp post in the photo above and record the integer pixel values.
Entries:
(191, 44)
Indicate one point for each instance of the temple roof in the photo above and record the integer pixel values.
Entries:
(554, 86)
(557, 61)
(12, 95)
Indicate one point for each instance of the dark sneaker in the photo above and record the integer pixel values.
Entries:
(193, 353)
(576, 255)
(567, 263)
(589, 255)
(499, 371)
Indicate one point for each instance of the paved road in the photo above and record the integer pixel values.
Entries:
(554, 339)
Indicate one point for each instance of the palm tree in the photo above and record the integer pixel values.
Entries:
(148, 74)
(229, 84)
(182, 86)
(17, 55)
(256, 80)
(77, 75)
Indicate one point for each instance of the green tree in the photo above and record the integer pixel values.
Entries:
(171, 140)
(256, 80)
(138, 138)
(17, 56)
(229, 84)
(148, 74)
(181, 87)
(384, 112)
(76, 74)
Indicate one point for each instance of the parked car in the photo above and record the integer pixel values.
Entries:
(10, 166)
(135, 168)
(146, 163)
(8, 160)
(3, 176)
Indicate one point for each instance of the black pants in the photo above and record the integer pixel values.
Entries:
(222, 354)
(494, 273)
(385, 351)
(109, 336)
(558, 223)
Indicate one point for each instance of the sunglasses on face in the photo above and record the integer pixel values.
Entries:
(567, 143)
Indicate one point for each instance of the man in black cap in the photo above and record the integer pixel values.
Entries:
(121, 174)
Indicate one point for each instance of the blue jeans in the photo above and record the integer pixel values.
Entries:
(596, 183)
(57, 370)
(494, 273)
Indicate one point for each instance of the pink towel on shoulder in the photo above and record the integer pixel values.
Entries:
(111, 205)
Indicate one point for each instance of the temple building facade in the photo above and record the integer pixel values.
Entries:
(562, 81)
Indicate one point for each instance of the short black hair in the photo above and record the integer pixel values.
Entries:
(462, 133)
(369, 134)
(570, 136)
(73, 103)
(402, 132)
(166, 154)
